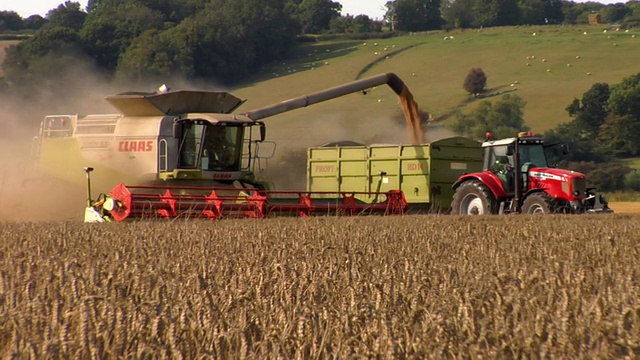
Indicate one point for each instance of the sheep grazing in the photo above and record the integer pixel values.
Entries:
(527, 64)
(548, 70)
(516, 82)
(568, 65)
(544, 60)
(584, 33)
(534, 34)
(589, 73)
(364, 44)
(615, 44)
(578, 57)
(413, 74)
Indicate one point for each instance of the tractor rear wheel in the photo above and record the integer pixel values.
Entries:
(473, 198)
(538, 204)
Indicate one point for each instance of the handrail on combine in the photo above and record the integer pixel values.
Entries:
(129, 202)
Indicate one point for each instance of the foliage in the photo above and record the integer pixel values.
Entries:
(606, 122)
(315, 16)
(414, 15)
(475, 82)
(503, 119)
(349, 24)
(608, 176)
(632, 181)
(67, 15)
(10, 21)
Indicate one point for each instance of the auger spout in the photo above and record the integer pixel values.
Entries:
(391, 79)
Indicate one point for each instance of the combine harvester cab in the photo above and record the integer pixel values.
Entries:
(516, 179)
(184, 155)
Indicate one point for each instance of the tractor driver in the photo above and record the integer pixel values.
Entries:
(504, 171)
(218, 150)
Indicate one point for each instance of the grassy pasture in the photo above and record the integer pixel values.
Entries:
(403, 287)
(440, 67)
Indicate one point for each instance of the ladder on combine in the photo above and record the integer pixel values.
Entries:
(151, 202)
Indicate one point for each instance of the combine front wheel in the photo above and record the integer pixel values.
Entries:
(537, 204)
(473, 198)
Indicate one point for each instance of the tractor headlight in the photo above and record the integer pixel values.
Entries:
(576, 193)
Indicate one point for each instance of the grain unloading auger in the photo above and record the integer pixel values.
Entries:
(205, 160)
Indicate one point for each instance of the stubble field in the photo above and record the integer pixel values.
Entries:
(396, 287)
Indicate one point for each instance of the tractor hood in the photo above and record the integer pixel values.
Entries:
(554, 174)
(174, 103)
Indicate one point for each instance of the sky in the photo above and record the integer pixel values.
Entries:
(373, 8)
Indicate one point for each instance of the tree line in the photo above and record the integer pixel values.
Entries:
(227, 40)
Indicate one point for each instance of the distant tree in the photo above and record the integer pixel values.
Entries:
(591, 111)
(457, 13)
(67, 15)
(354, 25)
(314, 16)
(475, 82)
(615, 13)
(415, 15)
(621, 128)
(504, 118)
(111, 27)
(34, 22)
(10, 21)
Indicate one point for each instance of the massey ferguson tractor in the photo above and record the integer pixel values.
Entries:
(517, 179)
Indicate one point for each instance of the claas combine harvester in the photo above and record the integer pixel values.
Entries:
(184, 154)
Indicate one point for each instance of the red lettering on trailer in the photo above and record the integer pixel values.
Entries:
(325, 168)
(135, 146)
(414, 166)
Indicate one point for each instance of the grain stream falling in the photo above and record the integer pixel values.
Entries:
(366, 287)
(412, 116)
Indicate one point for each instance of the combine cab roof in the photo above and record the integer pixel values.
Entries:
(174, 103)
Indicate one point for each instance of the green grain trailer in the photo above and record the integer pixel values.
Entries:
(424, 173)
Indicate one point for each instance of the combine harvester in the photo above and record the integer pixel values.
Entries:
(183, 154)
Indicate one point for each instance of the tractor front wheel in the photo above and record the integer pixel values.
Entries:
(473, 198)
(538, 204)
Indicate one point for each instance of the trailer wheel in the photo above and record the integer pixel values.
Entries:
(538, 204)
(473, 198)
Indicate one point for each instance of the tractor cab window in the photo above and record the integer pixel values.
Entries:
(532, 155)
(501, 164)
(190, 145)
(222, 149)
(210, 147)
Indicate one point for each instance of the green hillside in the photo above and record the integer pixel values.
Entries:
(564, 62)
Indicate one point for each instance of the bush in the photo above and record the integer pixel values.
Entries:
(632, 181)
(608, 177)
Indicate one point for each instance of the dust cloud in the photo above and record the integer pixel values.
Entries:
(77, 88)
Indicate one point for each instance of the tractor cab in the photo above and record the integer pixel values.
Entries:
(502, 157)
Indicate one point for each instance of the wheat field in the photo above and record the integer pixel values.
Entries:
(362, 287)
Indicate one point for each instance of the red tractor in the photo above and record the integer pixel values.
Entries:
(517, 179)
